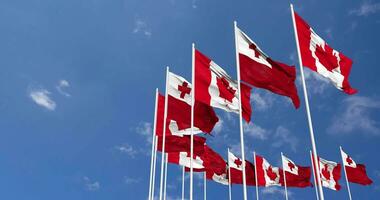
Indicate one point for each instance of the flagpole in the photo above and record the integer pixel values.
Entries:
(256, 180)
(345, 173)
(154, 165)
(307, 106)
(153, 146)
(164, 133)
(240, 115)
(283, 171)
(204, 186)
(229, 175)
(192, 119)
(183, 182)
(315, 180)
(166, 174)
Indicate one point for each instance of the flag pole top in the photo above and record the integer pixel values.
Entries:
(235, 22)
(193, 44)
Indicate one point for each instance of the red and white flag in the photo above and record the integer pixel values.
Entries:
(179, 108)
(356, 173)
(236, 169)
(330, 173)
(267, 175)
(257, 69)
(296, 176)
(216, 88)
(320, 57)
(181, 144)
(183, 159)
(216, 166)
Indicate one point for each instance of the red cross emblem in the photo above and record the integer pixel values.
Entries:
(349, 160)
(291, 166)
(184, 89)
(238, 162)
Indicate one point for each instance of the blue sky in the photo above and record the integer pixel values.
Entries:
(77, 88)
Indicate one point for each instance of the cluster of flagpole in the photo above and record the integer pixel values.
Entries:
(164, 156)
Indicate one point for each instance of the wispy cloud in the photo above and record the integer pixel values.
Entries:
(127, 149)
(283, 137)
(275, 191)
(316, 84)
(355, 115)
(62, 85)
(130, 180)
(142, 28)
(42, 98)
(218, 127)
(262, 100)
(366, 8)
(256, 131)
(91, 185)
(145, 129)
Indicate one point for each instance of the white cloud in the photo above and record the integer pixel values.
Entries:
(355, 115)
(366, 8)
(127, 149)
(41, 97)
(145, 129)
(91, 185)
(283, 137)
(62, 84)
(129, 180)
(194, 4)
(142, 27)
(256, 131)
(274, 191)
(262, 100)
(316, 84)
(218, 127)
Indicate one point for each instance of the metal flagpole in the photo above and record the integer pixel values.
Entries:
(153, 146)
(204, 186)
(154, 165)
(345, 173)
(163, 133)
(166, 174)
(315, 180)
(307, 106)
(192, 119)
(229, 174)
(256, 180)
(240, 114)
(283, 171)
(183, 182)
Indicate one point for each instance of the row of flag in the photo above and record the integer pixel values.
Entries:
(187, 109)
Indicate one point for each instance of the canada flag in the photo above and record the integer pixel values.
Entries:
(267, 175)
(356, 173)
(330, 173)
(216, 88)
(296, 176)
(320, 57)
(236, 170)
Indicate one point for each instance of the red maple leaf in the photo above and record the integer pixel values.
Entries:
(271, 174)
(326, 57)
(225, 90)
(325, 172)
